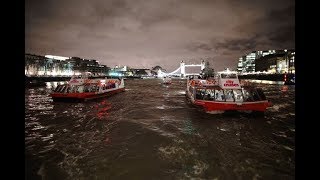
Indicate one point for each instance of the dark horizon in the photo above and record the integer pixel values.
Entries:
(149, 33)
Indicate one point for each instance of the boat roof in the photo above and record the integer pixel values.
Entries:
(227, 71)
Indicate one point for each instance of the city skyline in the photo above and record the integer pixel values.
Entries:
(149, 33)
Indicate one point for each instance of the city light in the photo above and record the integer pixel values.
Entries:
(56, 57)
(114, 74)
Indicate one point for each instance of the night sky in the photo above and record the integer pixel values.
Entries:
(146, 33)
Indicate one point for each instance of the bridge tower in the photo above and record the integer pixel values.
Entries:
(203, 64)
(183, 68)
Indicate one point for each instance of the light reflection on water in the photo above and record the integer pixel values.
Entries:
(151, 130)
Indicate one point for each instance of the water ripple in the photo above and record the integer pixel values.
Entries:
(122, 136)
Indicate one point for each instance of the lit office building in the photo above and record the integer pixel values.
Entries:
(264, 53)
(118, 71)
(240, 65)
(272, 61)
(291, 63)
(280, 62)
(249, 63)
(92, 66)
(33, 64)
(50, 65)
(246, 63)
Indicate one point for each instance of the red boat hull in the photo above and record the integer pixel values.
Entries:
(82, 96)
(259, 106)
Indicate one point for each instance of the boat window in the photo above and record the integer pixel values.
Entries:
(68, 88)
(93, 88)
(250, 95)
(261, 94)
(80, 89)
(238, 95)
(63, 88)
(57, 88)
(219, 96)
(247, 96)
(87, 88)
(60, 88)
(229, 95)
(228, 76)
(111, 85)
(209, 95)
(73, 89)
(200, 93)
(255, 95)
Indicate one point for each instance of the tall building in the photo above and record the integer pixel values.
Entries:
(291, 63)
(280, 62)
(240, 64)
(249, 63)
(265, 53)
(272, 61)
(35, 64)
(50, 65)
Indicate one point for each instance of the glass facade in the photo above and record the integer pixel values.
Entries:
(50, 65)
(281, 61)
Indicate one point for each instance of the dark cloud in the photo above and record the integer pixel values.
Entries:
(199, 47)
(152, 32)
(283, 35)
(237, 44)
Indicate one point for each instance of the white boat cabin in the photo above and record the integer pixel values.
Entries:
(79, 84)
(225, 87)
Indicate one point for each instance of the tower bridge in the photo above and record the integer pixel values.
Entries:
(181, 70)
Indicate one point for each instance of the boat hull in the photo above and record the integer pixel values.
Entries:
(80, 97)
(215, 107)
(209, 106)
(225, 93)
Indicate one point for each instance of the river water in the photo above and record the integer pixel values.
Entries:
(151, 131)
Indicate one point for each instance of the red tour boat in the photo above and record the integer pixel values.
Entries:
(82, 88)
(225, 93)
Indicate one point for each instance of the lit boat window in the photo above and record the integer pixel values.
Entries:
(238, 95)
(200, 93)
(229, 76)
(209, 95)
(229, 95)
(219, 96)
